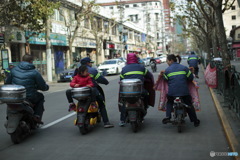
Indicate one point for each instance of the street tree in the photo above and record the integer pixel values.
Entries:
(74, 20)
(100, 29)
(211, 11)
(26, 14)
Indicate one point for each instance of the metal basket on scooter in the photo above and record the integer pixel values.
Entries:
(12, 94)
(131, 89)
(81, 93)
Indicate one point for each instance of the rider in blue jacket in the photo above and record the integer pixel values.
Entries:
(193, 61)
(177, 77)
(134, 70)
(26, 75)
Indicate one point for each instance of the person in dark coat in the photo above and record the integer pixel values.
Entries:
(134, 70)
(7, 71)
(193, 61)
(96, 78)
(177, 76)
(26, 75)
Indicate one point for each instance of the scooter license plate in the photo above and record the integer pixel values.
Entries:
(180, 111)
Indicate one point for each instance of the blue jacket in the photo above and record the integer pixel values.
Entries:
(96, 76)
(177, 76)
(193, 61)
(135, 71)
(26, 75)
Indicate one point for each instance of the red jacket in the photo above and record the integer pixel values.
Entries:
(82, 81)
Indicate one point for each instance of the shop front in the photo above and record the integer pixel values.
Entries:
(84, 48)
(37, 47)
(15, 40)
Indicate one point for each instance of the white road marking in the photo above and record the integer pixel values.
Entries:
(58, 120)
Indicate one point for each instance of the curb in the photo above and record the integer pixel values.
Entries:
(231, 138)
(232, 141)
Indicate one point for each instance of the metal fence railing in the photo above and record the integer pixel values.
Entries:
(228, 85)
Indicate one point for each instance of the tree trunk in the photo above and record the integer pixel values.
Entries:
(208, 46)
(70, 60)
(214, 42)
(48, 51)
(221, 33)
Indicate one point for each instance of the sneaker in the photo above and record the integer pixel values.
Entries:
(72, 107)
(197, 123)
(122, 123)
(108, 125)
(166, 120)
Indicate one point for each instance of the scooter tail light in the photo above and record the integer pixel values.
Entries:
(178, 100)
(80, 109)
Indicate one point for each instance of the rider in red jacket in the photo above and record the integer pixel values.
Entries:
(81, 81)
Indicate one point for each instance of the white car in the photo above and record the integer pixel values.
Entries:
(163, 58)
(146, 61)
(111, 66)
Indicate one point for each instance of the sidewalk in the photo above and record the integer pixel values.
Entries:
(229, 120)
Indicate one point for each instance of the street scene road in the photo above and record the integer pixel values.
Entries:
(59, 139)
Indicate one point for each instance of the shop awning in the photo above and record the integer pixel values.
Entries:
(236, 45)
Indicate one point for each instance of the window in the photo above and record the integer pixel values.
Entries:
(130, 35)
(111, 7)
(61, 13)
(158, 36)
(157, 16)
(234, 17)
(106, 26)
(114, 29)
(233, 7)
(58, 15)
(71, 16)
(148, 17)
(93, 23)
(126, 6)
(238, 35)
(233, 26)
(135, 5)
(143, 4)
(86, 22)
(136, 18)
(99, 24)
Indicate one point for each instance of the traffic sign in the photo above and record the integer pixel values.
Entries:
(1, 38)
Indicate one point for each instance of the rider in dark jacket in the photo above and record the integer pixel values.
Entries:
(134, 70)
(96, 78)
(26, 75)
(178, 76)
(193, 61)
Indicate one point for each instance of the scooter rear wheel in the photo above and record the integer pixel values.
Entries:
(179, 123)
(16, 136)
(134, 126)
(83, 129)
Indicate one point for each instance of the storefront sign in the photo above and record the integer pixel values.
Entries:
(110, 46)
(56, 39)
(1, 38)
(5, 59)
(15, 35)
(238, 53)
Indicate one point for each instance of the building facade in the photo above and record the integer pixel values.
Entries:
(147, 15)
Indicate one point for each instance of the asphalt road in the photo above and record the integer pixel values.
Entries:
(60, 139)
